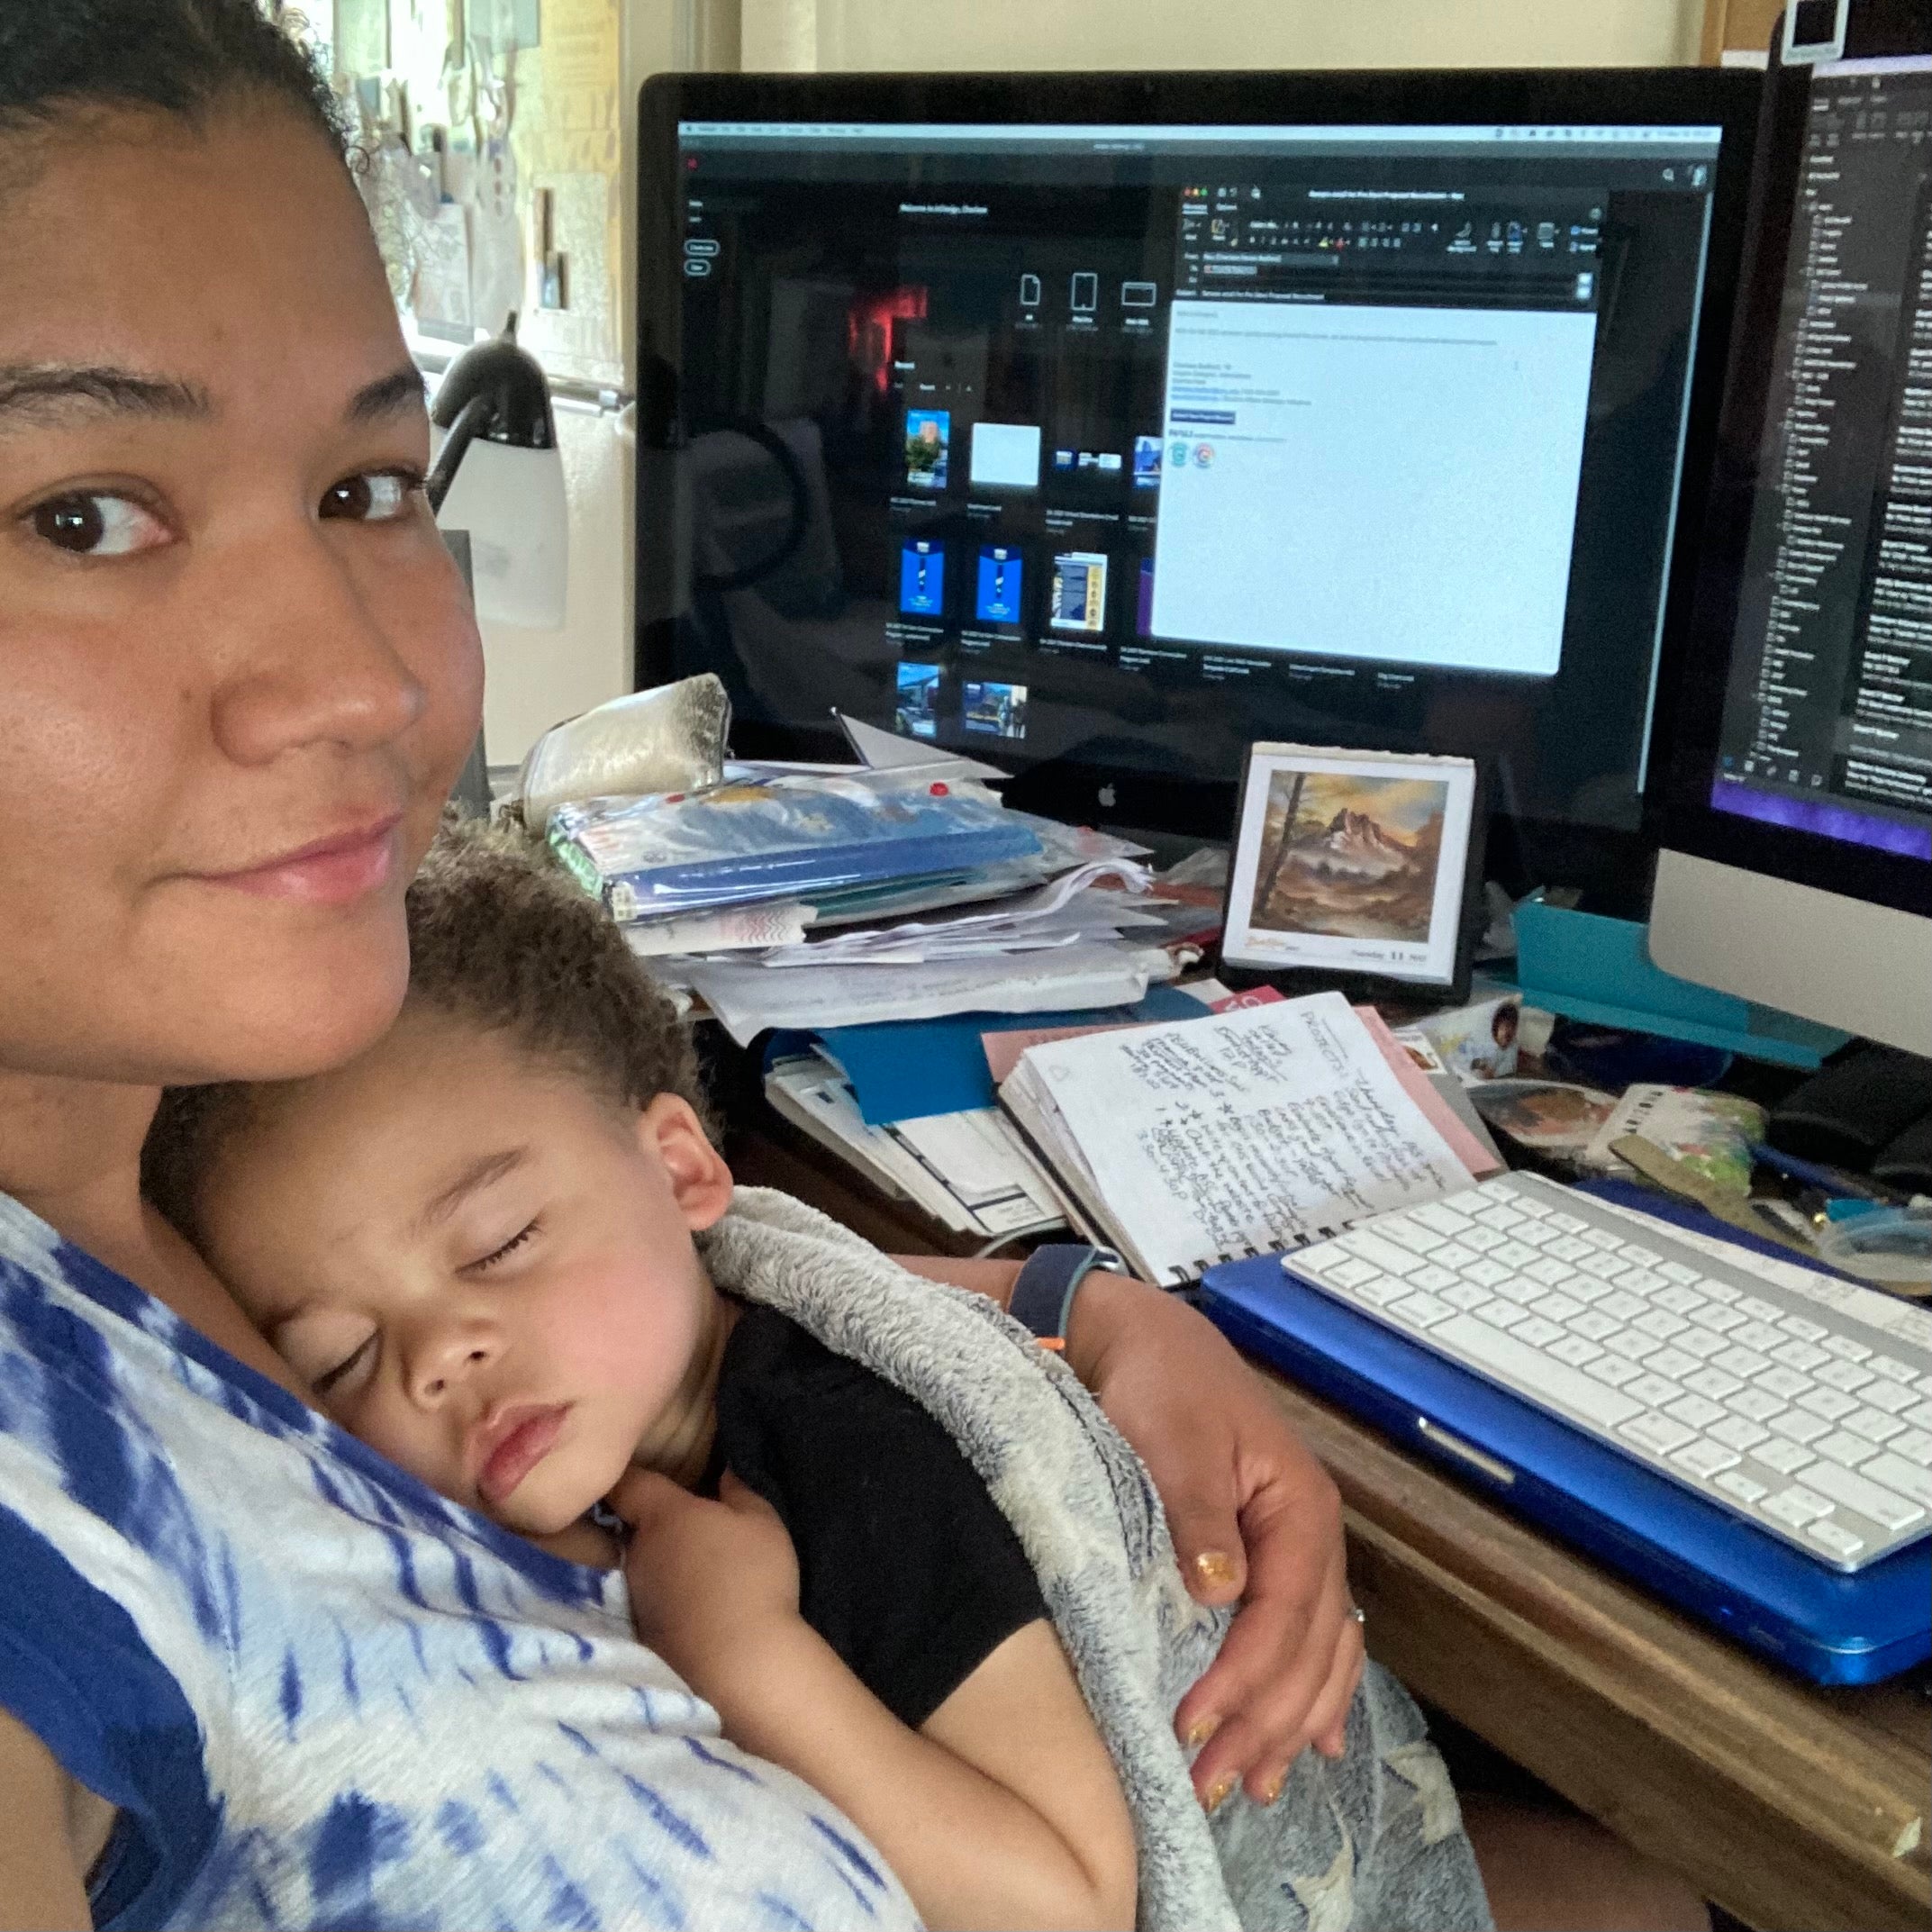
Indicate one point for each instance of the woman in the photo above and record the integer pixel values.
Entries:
(249, 1673)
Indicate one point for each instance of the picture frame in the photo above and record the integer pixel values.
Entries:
(1358, 870)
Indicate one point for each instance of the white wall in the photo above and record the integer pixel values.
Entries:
(936, 35)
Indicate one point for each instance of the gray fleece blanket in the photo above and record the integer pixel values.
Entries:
(1373, 1840)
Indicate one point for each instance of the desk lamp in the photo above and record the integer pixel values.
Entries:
(499, 476)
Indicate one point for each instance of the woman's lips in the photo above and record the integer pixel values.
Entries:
(530, 1438)
(330, 872)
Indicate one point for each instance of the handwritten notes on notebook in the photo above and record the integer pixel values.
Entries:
(1204, 1141)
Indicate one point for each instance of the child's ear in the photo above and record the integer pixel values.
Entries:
(700, 1180)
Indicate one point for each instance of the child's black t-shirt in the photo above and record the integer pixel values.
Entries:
(906, 1566)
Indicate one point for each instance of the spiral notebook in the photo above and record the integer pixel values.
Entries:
(1198, 1141)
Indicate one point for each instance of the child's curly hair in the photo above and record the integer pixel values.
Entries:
(500, 937)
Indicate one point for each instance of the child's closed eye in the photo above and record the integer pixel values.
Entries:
(333, 1377)
(503, 1254)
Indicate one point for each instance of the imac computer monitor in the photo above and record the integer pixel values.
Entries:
(1101, 426)
(1797, 860)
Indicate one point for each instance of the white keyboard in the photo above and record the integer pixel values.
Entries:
(1796, 1401)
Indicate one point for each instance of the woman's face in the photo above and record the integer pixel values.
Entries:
(237, 671)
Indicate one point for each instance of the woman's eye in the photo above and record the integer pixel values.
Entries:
(97, 523)
(506, 1250)
(375, 496)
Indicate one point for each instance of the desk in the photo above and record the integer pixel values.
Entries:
(1792, 1808)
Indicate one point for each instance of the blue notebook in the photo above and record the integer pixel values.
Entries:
(1829, 1627)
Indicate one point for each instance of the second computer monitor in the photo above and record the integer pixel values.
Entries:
(1101, 428)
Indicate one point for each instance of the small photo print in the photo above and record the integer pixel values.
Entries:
(928, 436)
(1079, 592)
(1351, 862)
(998, 710)
(917, 711)
(1002, 585)
(922, 577)
(1147, 462)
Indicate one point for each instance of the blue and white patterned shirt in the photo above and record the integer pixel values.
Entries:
(322, 1695)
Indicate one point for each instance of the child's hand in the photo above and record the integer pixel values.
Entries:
(707, 1579)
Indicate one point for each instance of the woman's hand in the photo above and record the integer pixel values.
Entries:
(708, 1580)
(1254, 1516)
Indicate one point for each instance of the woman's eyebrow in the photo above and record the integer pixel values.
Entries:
(48, 391)
(399, 392)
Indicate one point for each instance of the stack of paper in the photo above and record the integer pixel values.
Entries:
(1198, 1141)
(969, 1171)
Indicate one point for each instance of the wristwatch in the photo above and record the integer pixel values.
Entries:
(1043, 1296)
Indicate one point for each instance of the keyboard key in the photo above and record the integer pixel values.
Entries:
(1784, 1383)
(1641, 1280)
(1369, 1245)
(1501, 1314)
(1550, 1272)
(1805, 1331)
(1567, 1249)
(1742, 1487)
(1893, 1370)
(1528, 1204)
(1757, 1335)
(1872, 1426)
(1603, 1240)
(1719, 1319)
(1835, 1537)
(1585, 1287)
(1484, 1274)
(1924, 1384)
(1605, 1268)
(1713, 1383)
(1483, 1239)
(1514, 1288)
(1919, 1415)
(1705, 1458)
(1696, 1410)
(1567, 1222)
(1786, 1458)
(1534, 1234)
(1593, 1324)
(1672, 1362)
(1380, 1290)
(1655, 1392)
(1799, 1427)
(1657, 1433)
(1679, 1300)
(1895, 1473)
(1405, 1234)
(1621, 1307)
(1796, 1507)
(1433, 1279)
(1675, 1270)
(1744, 1361)
(1343, 1274)
(1514, 1255)
(1735, 1433)
(1860, 1492)
(1845, 1375)
(1465, 1295)
(1633, 1344)
(1847, 1451)
(1800, 1356)
(1755, 1304)
(1552, 1381)
(1578, 1352)
(1843, 1344)
(1915, 1445)
(1555, 1307)
(1718, 1291)
(1759, 1404)
(1890, 1397)
(1443, 1219)
(1322, 1257)
(1830, 1403)
(1646, 1258)
(1614, 1371)
(1421, 1311)
(1454, 1255)
(1537, 1332)
(1661, 1322)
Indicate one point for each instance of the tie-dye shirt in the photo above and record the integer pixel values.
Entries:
(321, 1696)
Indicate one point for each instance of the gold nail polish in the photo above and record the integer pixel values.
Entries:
(1218, 1792)
(1215, 1568)
(1272, 1790)
(1201, 1730)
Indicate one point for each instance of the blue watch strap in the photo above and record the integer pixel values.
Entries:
(1043, 1296)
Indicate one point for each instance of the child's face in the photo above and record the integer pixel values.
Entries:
(481, 1269)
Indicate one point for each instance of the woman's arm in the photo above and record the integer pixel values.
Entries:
(1254, 1516)
(41, 1881)
(1003, 1811)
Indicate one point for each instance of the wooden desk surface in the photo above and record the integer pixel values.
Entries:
(1798, 1810)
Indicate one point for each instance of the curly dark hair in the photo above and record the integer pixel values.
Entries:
(500, 937)
(61, 58)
